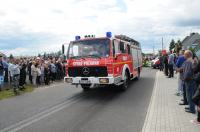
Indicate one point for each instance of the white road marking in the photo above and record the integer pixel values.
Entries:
(29, 121)
(47, 87)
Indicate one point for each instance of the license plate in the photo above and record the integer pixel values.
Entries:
(84, 81)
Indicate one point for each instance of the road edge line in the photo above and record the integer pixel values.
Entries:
(150, 103)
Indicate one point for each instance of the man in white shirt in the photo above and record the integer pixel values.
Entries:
(14, 70)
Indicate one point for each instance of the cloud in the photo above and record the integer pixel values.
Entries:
(192, 22)
(17, 41)
(28, 24)
(2, 13)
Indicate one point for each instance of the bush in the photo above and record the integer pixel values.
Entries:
(146, 64)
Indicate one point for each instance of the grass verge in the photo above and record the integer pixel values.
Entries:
(9, 93)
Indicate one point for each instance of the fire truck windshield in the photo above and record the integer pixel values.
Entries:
(95, 48)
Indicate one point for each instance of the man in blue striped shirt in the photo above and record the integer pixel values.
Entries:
(181, 86)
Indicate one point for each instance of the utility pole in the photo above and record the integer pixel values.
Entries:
(153, 50)
(162, 43)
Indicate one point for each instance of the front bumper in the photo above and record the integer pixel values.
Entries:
(92, 80)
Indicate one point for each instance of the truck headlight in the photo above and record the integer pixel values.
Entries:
(104, 80)
(69, 80)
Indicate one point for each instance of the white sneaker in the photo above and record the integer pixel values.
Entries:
(195, 122)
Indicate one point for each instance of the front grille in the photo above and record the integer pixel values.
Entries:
(87, 71)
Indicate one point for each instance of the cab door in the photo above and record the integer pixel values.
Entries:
(116, 58)
(135, 60)
(121, 57)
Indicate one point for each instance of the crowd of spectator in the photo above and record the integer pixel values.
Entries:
(34, 70)
(187, 66)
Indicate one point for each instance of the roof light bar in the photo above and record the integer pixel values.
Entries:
(108, 34)
(77, 37)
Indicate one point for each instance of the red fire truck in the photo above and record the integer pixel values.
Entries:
(103, 61)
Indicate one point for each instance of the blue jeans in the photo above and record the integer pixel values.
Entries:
(184, 93)
(15, 82)
(1, 81)
(190, 90)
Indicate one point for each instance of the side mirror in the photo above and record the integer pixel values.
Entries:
(121, 46)
(116, 55)
(63, 49)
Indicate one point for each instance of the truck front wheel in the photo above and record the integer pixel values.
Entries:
(124, 86)
(138, 74)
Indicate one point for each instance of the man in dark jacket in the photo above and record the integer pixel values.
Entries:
(197, 73)
(161, 58)
(46, 74)
(29, 71)
(188, 77)
(22, 80)
(59, 70)
(5, 64)
(165, 60)
(171, 64)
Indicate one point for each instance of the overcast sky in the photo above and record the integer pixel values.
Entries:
(29, 27)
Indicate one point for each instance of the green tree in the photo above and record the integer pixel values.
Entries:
(45, 55)
(59, 52)
(143, 54)
(11, 56)
(178, 46)
(193, 50)
(172, 45)
(160, 52)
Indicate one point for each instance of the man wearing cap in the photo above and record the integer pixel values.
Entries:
(1, 72)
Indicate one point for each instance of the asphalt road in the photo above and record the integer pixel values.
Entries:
(65, 108)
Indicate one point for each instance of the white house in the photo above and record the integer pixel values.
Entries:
(2, 54)
(189, 41)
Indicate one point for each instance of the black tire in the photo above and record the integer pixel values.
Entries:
(124, 86)
(138, 76)
(85, 87)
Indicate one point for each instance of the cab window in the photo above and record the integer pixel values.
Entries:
(129, 49)
(122, 47)
(116, 47)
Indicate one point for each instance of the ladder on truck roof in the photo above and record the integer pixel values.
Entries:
(126, 38)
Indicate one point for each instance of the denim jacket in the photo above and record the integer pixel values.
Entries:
(188, 73)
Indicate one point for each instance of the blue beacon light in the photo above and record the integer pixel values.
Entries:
(77, 37)
(108, 34)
